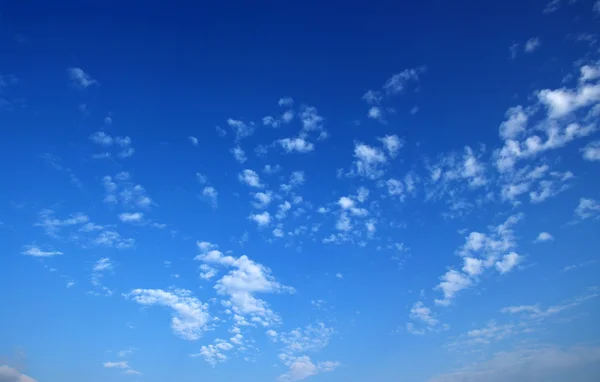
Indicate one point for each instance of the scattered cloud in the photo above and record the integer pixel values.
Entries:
(80, 79)
(544, 236)
(33, 250)
(190, 316)
(250, 178)
(532, 44)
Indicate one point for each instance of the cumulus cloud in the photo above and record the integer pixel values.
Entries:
(591, 151)
(190, 316)
(262, 219)
(532, 44)
(250, 178)
(80, 79)
(544, 236)
(131, 217)
(244, 281)
(299, 145)
(588, 208)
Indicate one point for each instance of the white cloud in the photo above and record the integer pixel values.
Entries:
(515, 124)
(208, 272)
(277, 232)
(53, 225)
(508, 262)
(343, 223)
(214, 354)
(190, 316)
(372, 97)
(286, 101)
(311, 120)
(451, 283)
(588, 208)
(544, 236)
(246, 279)
(34, 250)
(239, 154)
(124, 365)
(283, 209)
(422, 313)
(131, 217)
(263, 199)
(392, 144)
(532, 44)
(104, 264)
(590, 72)
(339, 276)
(194, 140)
(250, 178)
(212, 194)
(591, 151)
(113, 239)
(299, 145)
(101, 138)
(241, 129)
(368, 161)
(561, 102)
(9, 374)
(345, 202)
(271, 169)
(396, 83)
(116, 365)
(375, 113)
(80, 79)
(262, 219)
(542, 363)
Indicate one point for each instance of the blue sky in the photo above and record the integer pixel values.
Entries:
(300, 191)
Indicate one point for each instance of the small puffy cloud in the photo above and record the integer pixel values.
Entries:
(240, 128)
(277, 232)
(299, 145)
(451, 283)
(238, 154)
(212, 194)
(34, 250)
(591, 151)
(375, 113)
(263, 199)
(508, 262)
(190, 316)
(392, 144)
(372, 97)
(80, 79)
(194, 140)
(368, 161)
(131, 217)
(250, 178)
(262, 219)
(286, 101)
(544, 236)
(532, 44)
(588, 208)
(101, 138)
(339, 276)
(515, 123)
(345, 202)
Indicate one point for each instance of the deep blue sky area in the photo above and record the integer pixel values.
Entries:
(299, 190)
